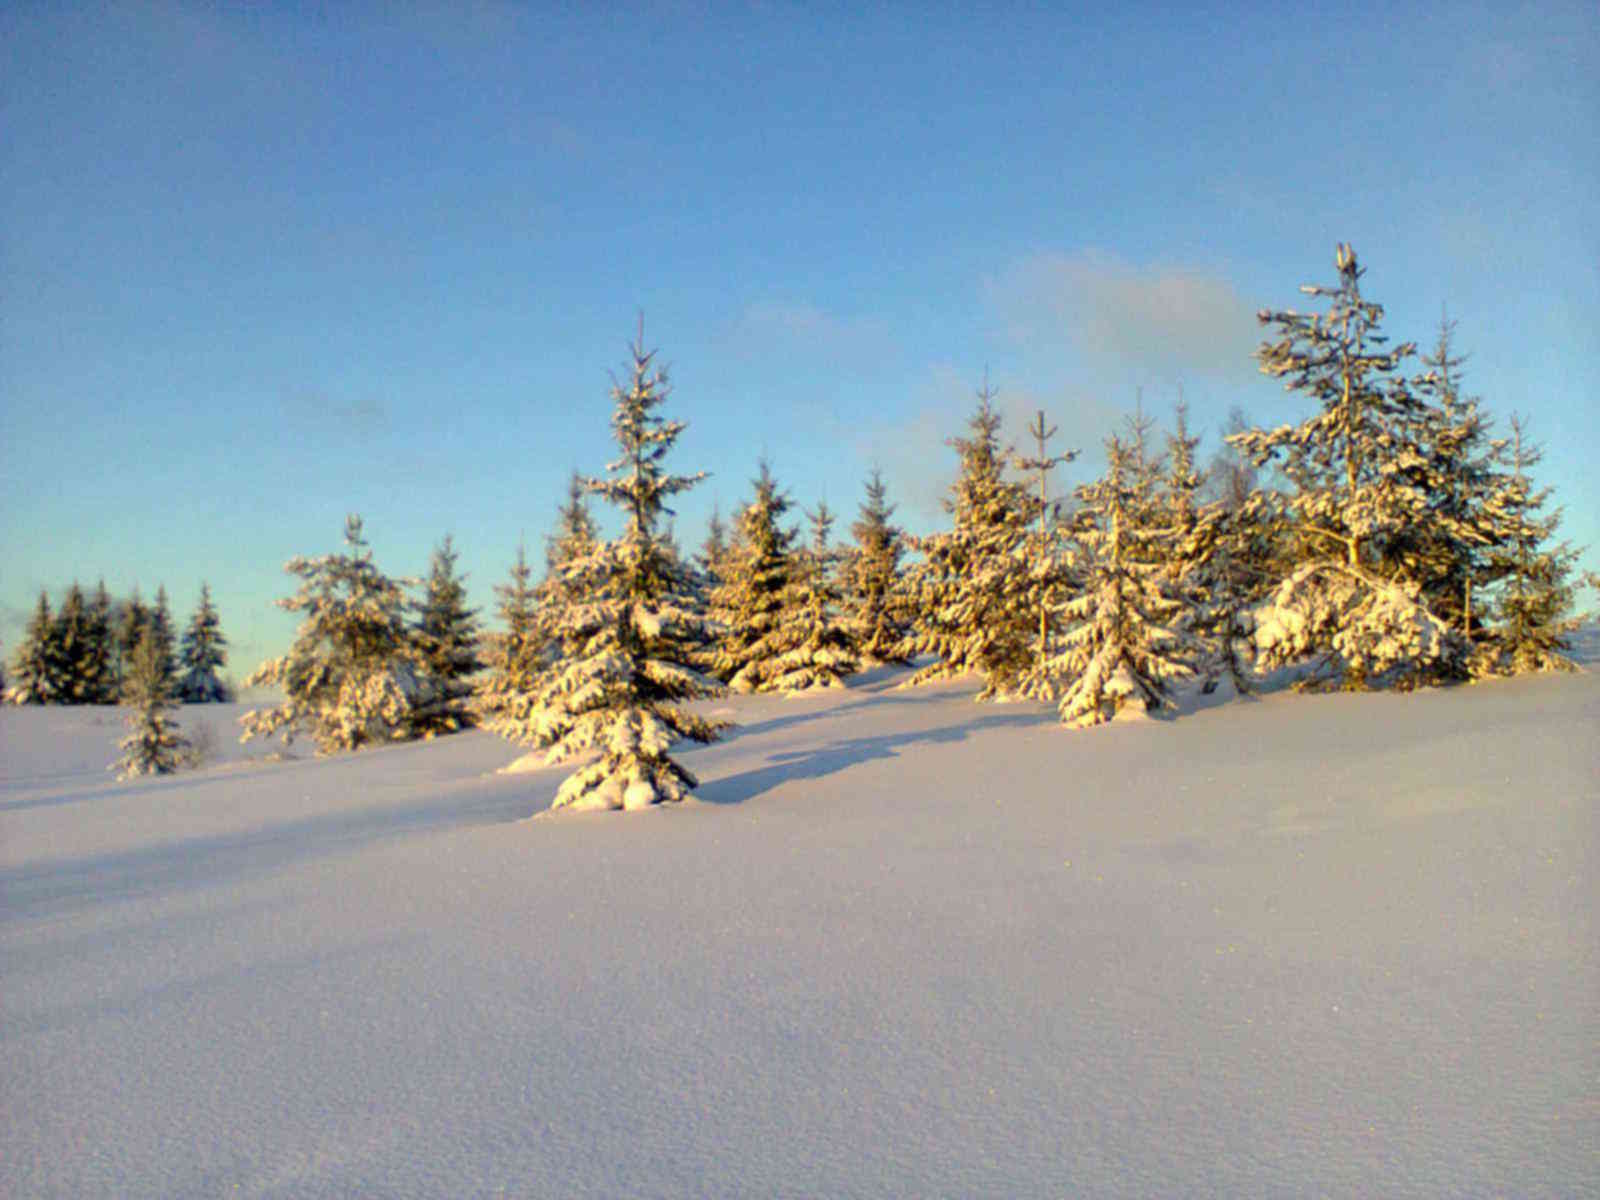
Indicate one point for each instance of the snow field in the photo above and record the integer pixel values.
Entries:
(903, 944)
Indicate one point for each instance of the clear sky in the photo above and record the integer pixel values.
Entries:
(262, 266)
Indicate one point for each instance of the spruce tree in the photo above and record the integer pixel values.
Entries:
(153, 745)
(1352, 603)
(100, 666)
(1125, 637)
(1536, 591)
(879, 622)
(713, 556)
(129, 620)
(202, 653)
(637, 632)
(75, 650)
(446, 635)
(814, 647)
(513, 657)
(162, 630)
(1048, 558)
(574, 540)
(753, 602)
(971, 593)
(353, 676)
(34, 672)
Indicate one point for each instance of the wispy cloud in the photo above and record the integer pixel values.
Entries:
(1165, 321)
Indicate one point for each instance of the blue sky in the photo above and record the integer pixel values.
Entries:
(262, 266)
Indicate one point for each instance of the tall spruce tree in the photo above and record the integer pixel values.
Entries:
(879, 620)
(1049, 559)
(353, 676)
(971, 593)
(637, 633)
(76, 651)
(163, 631)
(1352, 602)
(755, 599)
(129, 620)
(1126, 637)
(202, 653)
(446, 634)
(154, 746)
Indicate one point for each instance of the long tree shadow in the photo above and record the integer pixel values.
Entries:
(839, 756)
(877, 696)
(189, 864)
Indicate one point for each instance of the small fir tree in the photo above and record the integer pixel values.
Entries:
(1126, 638)
(202, 653)
(637, 631)
(353, 677)
(154, 746)
(713, 556)
(815, 649)
(34, 672)
(1533, 632)
(879, 622)
(513, 657)
(1049, 559)
(446, 634)
(971, 592)
(754, 601)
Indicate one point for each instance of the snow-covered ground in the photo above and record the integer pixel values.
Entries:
(904, 945)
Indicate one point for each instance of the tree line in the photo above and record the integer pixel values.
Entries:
(1390, 539)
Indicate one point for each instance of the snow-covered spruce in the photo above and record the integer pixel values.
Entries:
(752, 605)
(353, 676)
(633, 629)
(153, 745)
(879, 618)
(1125, 636)
(1533, 605)
(972, 597)
(33, 673)
(1354, 602)
(512, 655)
(1048, 556)
(202, 653)
(814, 648)
(446, 636)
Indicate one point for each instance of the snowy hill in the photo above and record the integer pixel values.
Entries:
(902, 945)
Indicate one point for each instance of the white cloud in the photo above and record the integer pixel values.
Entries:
(1166, 322)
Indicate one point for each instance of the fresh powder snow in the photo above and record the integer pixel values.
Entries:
(901, 944)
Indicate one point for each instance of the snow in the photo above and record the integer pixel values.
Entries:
(903, 944)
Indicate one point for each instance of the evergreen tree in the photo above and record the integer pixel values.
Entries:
(153, 745)
(202, 653)
(161, 630)
(714, 551)
(99, 665)
(1536, 590)
(353, 676)
(1048, 558)
(446, 636)
(879, 622)
(1126, 637)
(637, 631)
(513, 657)
(1351, 602)
(128, 621)
(574, 540)
(753, 602)
(34, 669)
(814, 647)
(75, 651)
(971, 594)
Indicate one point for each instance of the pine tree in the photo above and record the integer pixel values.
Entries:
(1350, 602)
(637, 631)
(514, 657)
(753, 602)
(1126, 637)
(446, 635)
(202, 653)
(1536, 590)
(153, 745)
(971, 593)
(879, 622)
(353, 677)
(99, 665)
(34, 670)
